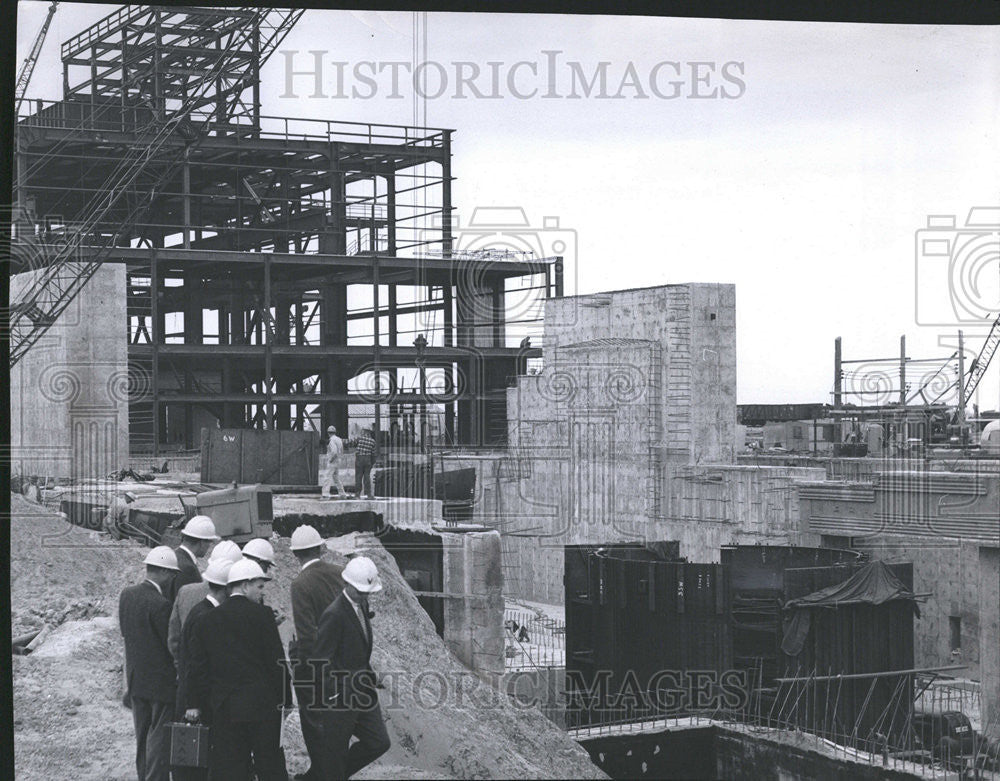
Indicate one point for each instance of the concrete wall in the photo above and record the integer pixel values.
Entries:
(719, 752)
(69, 393)
(704, 507)
(473, 605)
(739, 755)
(628, 434)
(694, 328)
(989, 637)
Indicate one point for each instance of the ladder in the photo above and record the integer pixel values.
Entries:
(134, 183)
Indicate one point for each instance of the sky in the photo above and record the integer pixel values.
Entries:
(798, 161)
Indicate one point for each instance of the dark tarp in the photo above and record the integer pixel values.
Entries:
(873, 584)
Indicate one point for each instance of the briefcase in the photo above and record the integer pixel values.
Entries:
(188, 745)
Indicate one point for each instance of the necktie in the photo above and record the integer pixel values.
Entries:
(363, 605)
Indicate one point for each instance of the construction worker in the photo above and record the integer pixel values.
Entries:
(190, 595)
(365, 454)
(316, 586)
(197, 537)
(216, 579)
(334, 450)
(237, 671)
(349, 696)
(143, 615)
(261, 551)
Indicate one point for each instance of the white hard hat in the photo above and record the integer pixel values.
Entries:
(330, 429)
(217, 572)
(227, 550)
(305, 537)
(245, 569)
(201, 528)
(163, 557)
(259, 548)
(360, 572)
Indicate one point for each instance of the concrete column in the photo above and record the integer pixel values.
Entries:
(473, 624)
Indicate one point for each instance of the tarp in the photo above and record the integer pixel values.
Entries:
(873, 584)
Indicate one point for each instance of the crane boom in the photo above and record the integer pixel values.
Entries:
(24, 77)
(982, 362)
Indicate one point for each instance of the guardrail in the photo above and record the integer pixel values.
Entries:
(533, 641)
(113, 117)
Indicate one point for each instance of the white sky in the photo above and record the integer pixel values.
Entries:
(806, 191)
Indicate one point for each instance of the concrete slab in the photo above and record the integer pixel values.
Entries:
(402, 513)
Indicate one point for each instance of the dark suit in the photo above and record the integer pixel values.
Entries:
(350, 698)
(143, 614)
(236, 670)
(313, 591)
(188, 572)
(183, 658)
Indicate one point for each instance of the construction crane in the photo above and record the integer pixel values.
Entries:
(982, 361)
(146, 167)
(24, 77)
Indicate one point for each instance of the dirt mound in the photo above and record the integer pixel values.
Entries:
(442, 719)
(444, 722)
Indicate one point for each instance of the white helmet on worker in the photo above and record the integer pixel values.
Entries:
(227, 550)
(305, 537)
(259, 548)
(245, 569)
(360, 572)
(217, 572)
(200, 528)
(163, 557)
(331, 429)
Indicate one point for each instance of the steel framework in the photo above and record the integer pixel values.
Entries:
(278, 269)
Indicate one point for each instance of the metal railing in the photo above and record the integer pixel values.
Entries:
(533, 641)
(109, 24)
(113, 117)
(904, 732)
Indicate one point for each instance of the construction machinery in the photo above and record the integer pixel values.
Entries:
(982, 362)
(28, 67)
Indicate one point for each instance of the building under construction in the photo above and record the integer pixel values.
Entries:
(278, 270)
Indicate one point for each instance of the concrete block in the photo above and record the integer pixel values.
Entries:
(69, 393)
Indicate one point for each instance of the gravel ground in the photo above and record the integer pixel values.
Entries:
(69, 721)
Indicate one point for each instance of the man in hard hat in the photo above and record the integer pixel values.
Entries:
(261, 551)
(143, 615)
(350, 700)
(317, 585)
(237, 671)
(365, 455)
(197, 537)
(216, 580)
(330, 478)
(190, 595)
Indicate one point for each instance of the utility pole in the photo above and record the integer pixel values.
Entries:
(837, 373)
(902, 370)
(961, 387)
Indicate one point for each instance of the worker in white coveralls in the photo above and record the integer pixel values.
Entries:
(334, 450)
